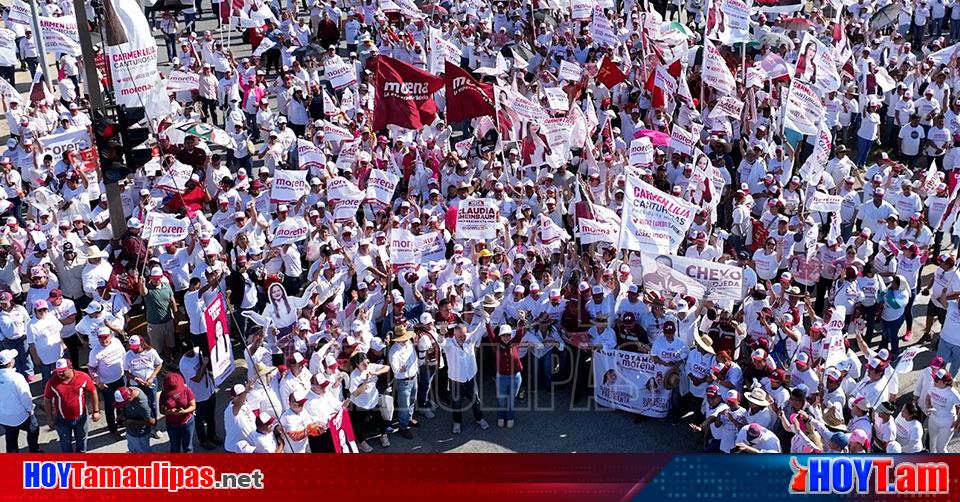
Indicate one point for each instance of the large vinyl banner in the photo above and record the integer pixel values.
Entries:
(630, 381)
(132, 52)
(653, 221)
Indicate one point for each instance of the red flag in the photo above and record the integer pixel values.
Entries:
(404, 94)
(466, 98)
(609, 74)
(659, 99)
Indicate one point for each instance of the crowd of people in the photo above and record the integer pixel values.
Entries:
(839, 225)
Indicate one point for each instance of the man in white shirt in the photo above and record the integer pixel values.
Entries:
(193, 367)
(43, 337)
(461, 355)
(403, 362)
(16, 414)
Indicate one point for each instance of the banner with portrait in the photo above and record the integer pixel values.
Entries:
(630, 381)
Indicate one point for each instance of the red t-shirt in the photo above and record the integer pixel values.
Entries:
(177, 400)
(69, 398)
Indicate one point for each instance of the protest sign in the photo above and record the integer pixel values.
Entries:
(716, 74)
(721, 282)
(819, 201)
(682, 140)
(570, 71)
(404, 252)
(310, 156)
(557, 99)
(340, 75)
(653, 221)
(477, 219)
(816, 65)
(601, 29)
(727, 106)
(734, 25)
(58, 144)
(165, 228)
(641, 152)
(596, 223)
(133, 63)
(348, 155)
(348, 202)
(20, 13)
(176, 177)
(341, 433)
(218, 339)
(630, 381)
(293, 229)
(432, 246)
(288, 186)
(774, 66)
(581, 10)
(380, 187)
(803, 109)
(183, 81)
(335, 133)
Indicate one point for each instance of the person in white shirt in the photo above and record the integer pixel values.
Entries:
(943, 401)
(909, 428)
(755, 438)
(461, 357)
(193, 367)
(366, 399)
(43, 337)
(106, 368)
(403, 362)
(239, 422)
(297, 423)
(17, 413)
(268, 436)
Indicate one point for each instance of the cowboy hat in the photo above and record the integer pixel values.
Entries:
(704, 342)
(401, 334)
(672, 379)
(263, 369)
(757, 396)
(490, 302)
(833, 418)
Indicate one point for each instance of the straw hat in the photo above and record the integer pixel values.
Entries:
(401, 334)
(833, 418)
(757, 396)
(263, 369)
(672, 379)
(704, 342)
(489, 301)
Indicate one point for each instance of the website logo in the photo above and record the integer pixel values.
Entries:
(867, 475)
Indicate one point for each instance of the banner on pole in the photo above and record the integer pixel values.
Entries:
(218, 339)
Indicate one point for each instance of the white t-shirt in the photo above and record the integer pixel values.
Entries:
(909, 435)
(109, 362)
(766, 265)
(943, 402)
(910, 139)
(141, 364)
(44, 334)
(367, 400)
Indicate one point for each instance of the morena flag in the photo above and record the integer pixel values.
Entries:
(466, 97)
(404, 94)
